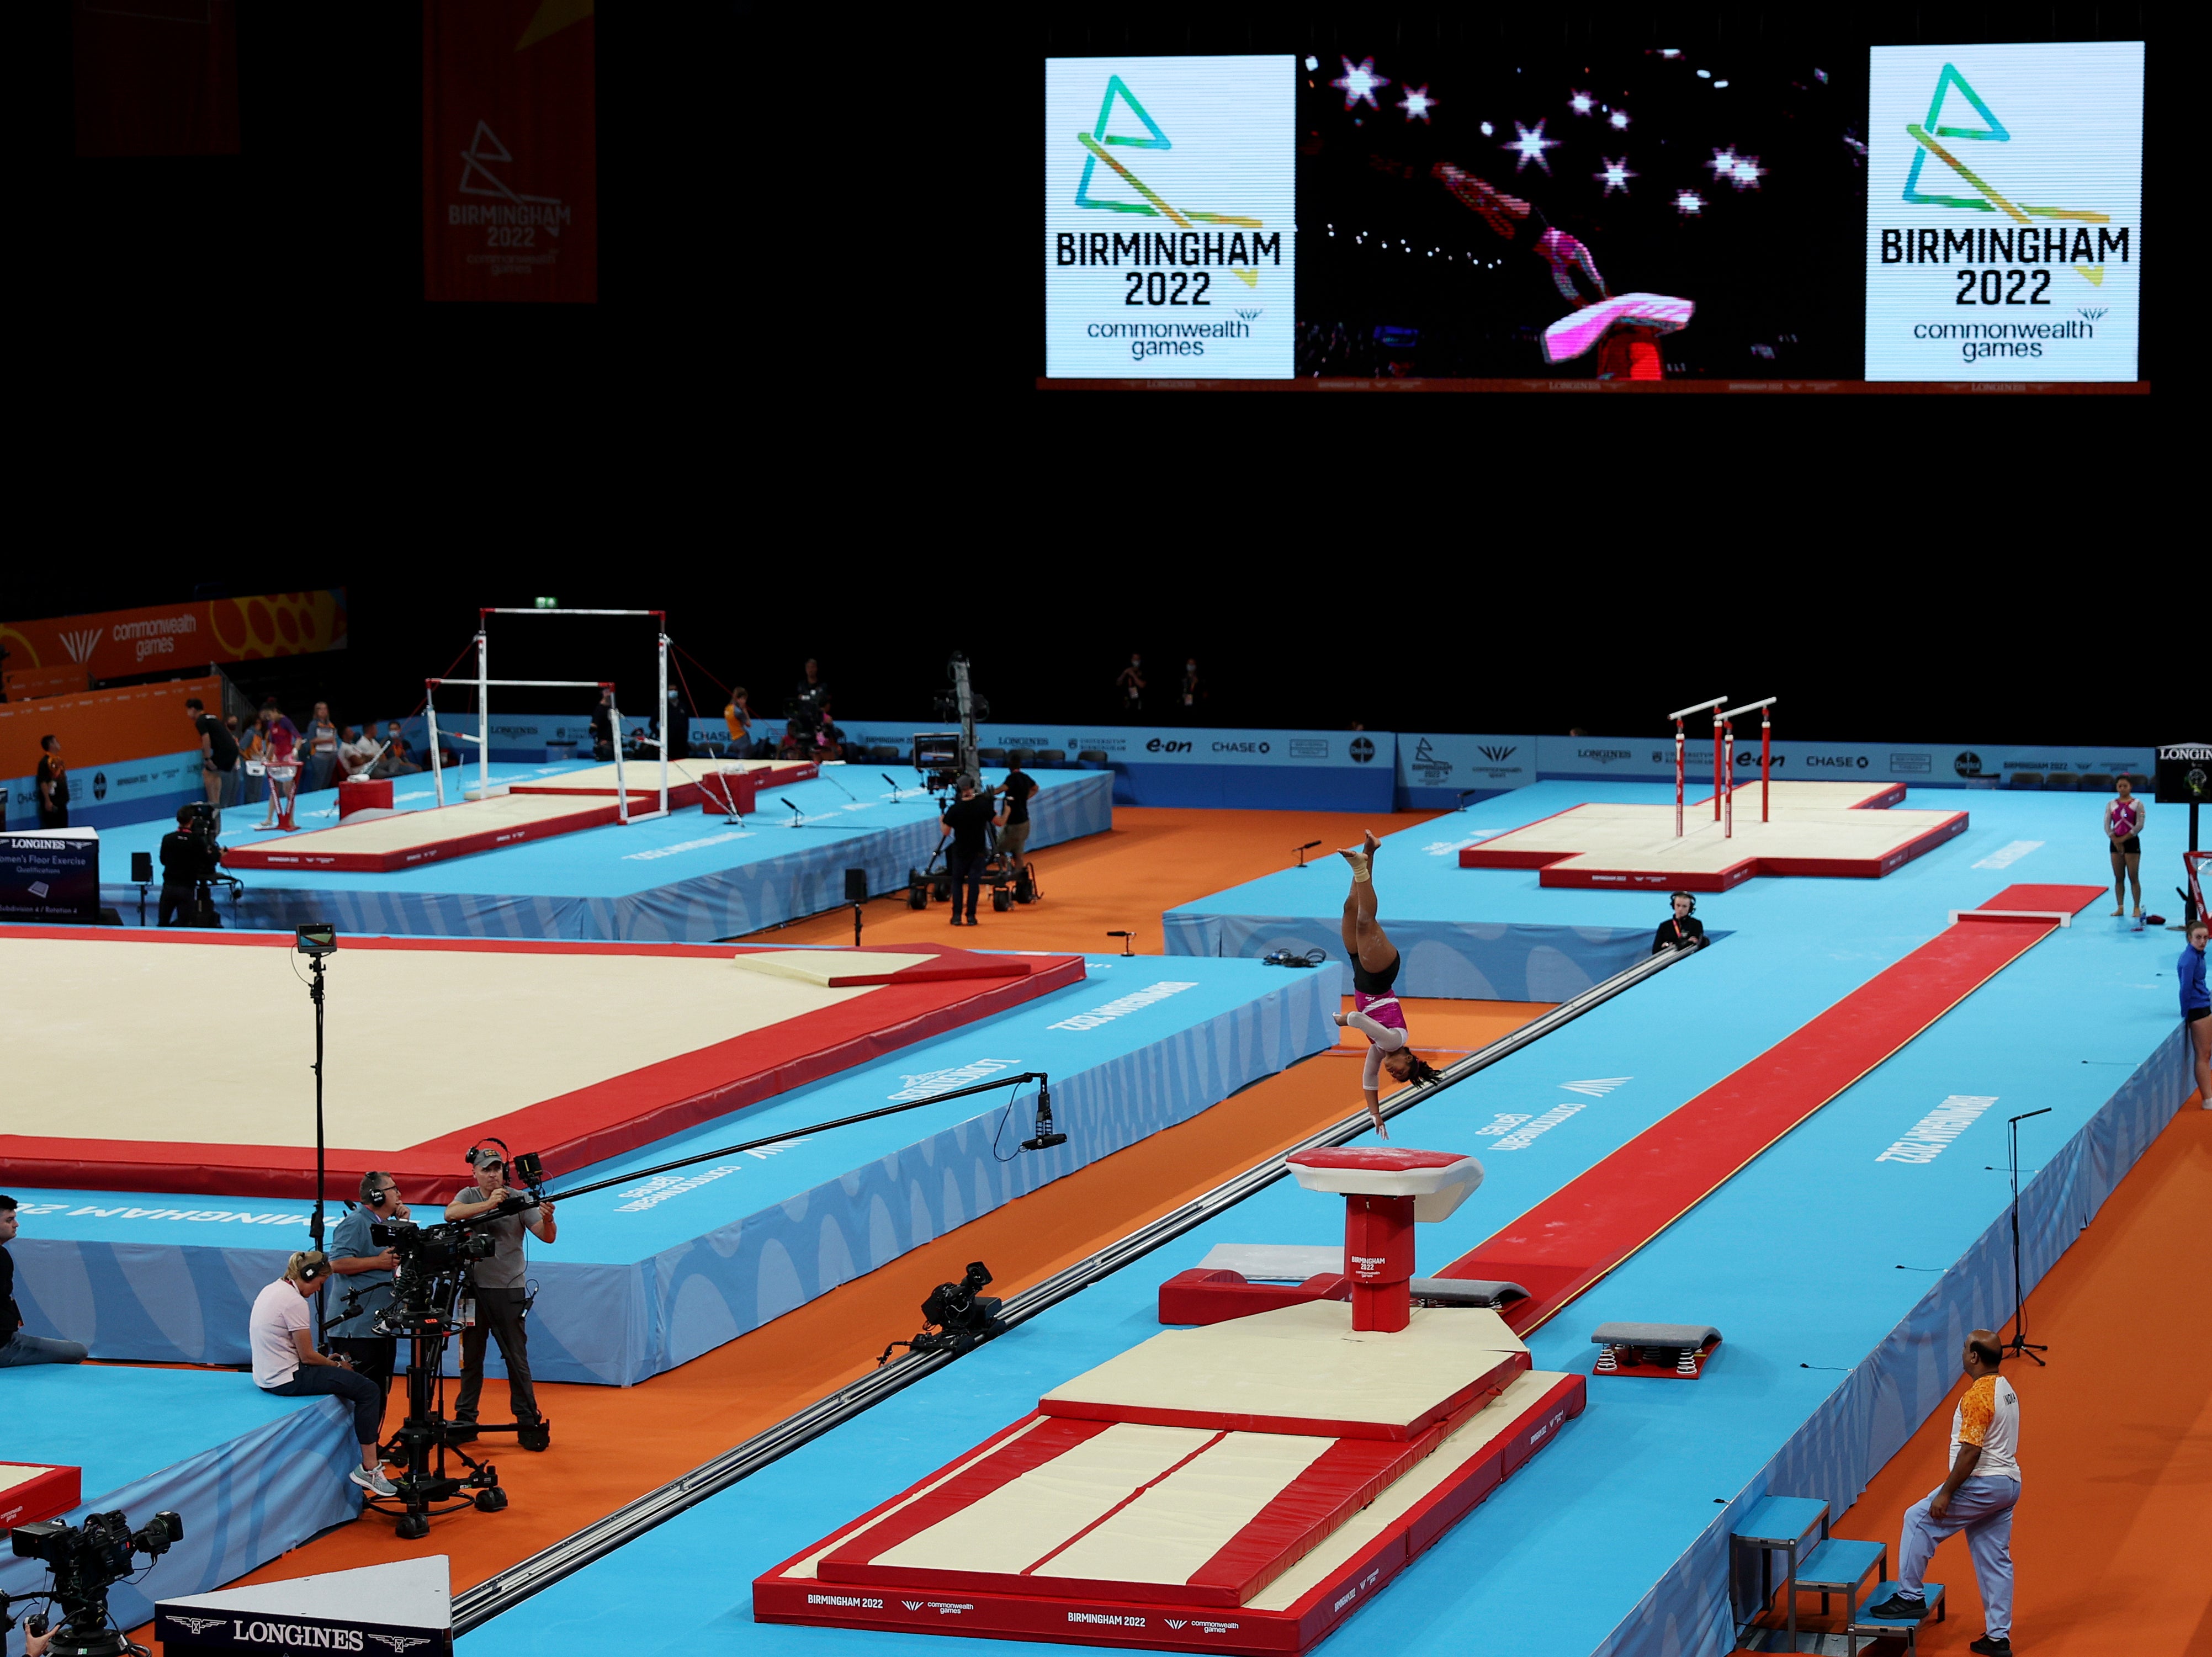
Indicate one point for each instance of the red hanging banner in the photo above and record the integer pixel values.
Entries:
(155, 77)
(510, 168)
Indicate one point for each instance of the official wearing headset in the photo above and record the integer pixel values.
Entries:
(501, 1294)
(367, 1270)
(1681, 931)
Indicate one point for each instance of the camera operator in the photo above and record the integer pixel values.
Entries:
(969, 820)
(189, 857)
(501, 1297)
(354, 1256)
(286, 1363)
(1682, 930)
(1013, 820)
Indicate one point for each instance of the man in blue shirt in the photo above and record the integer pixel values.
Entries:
(367, 1269)
(2197, 1011)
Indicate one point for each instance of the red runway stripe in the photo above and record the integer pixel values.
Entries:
(1568, 1241)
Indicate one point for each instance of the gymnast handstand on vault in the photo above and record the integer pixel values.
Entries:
(1375, 1010)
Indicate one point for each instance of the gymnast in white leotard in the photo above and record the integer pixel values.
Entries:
(1375, 1012)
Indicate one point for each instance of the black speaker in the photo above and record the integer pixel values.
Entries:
(856, 885)
(142, 866)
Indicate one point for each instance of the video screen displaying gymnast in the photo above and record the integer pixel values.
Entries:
(1375, 1012)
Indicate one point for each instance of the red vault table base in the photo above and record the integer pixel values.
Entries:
(1333, 1536)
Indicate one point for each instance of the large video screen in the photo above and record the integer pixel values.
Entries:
(1491, 217)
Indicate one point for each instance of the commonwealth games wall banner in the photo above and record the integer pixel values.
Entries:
(510, 171)
(1170, 246)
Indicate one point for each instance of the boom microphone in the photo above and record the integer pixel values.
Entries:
(1045, 1137)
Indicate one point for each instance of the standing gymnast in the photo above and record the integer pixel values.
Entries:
(1375, 1010)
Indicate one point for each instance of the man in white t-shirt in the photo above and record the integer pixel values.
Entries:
(1977, 1498)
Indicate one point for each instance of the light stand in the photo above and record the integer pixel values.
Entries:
(318, 941)
(2019, 1345)
(1302, 851)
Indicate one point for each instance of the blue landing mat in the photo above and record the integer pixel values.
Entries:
(251, 1475)
(648, 1275)
(1612, 1540)
(688, 877)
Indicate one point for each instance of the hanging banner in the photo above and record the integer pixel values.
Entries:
(155, 77)
(118, 644)
(510, 171)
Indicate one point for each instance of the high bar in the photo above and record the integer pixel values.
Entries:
(1685, 712)
(569, 684)
(494, 609)
(1749, 707)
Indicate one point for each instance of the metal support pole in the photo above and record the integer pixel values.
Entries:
(666, 721)
(430, 708)
(621, 788)
(1766, 755)
(1717, 723)
(483, 713)
(1677, 780)
(1727, 794)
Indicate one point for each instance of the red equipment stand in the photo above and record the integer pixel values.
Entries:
(30, 1492)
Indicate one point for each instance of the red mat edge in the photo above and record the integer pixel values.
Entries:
(1494, 1379)
(551, 1126)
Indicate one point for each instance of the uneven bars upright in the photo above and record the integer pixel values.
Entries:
(1765, 749)
(665, 720)
(430, 710)
(483, 711)
(1678, 716)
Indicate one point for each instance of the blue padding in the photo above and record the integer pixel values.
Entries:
(647, 1277)
(1280, 788)
(1611, 1540)
(1838, 1566)
(690, 877)
(251, 1475)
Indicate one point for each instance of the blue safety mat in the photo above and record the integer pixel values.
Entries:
(650, 1275)
(251, 1475)
(1614, 1538)
(690, 877)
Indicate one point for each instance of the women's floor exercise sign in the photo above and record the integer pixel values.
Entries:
(2004, 212)
(1169, 190)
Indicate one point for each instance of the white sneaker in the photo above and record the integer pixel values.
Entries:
(372, 1480)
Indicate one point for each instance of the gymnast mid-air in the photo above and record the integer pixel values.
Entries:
(1375, 1010)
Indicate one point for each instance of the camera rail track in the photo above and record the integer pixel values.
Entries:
(509, 1588)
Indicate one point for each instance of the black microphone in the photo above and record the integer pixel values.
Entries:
(1308, 847)
(1046, 1138)
(2024, 1115)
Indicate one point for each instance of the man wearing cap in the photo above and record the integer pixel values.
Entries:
(502, 1295)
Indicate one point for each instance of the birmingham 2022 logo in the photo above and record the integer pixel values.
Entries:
(1932, 138)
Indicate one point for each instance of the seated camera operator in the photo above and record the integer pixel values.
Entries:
(502, 1296)
(286, 1363)
(188, 863)
(17, 1349)
(1683, 931)
(356, 1257)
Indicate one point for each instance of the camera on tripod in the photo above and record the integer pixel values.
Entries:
(85, 1561)
(199, 828)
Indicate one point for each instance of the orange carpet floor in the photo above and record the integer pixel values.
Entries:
(2113, 1538)
(612, 1444)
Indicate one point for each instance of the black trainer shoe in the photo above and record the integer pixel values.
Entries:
(1990, 1647)
(1896, 1609)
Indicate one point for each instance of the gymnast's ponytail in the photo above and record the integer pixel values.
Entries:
(1421, 1070)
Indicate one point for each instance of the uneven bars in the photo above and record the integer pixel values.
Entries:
(570, 685)
(1678, 717)
(495, 609)
(1729, 713)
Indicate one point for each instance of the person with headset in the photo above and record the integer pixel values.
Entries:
(1682, 930)
(502, 1295)
(354, 1255)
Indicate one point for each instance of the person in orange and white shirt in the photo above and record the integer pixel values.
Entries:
(1977, 1498)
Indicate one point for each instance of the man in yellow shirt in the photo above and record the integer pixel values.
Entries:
(1977, 1498)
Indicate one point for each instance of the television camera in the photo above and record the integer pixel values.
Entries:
(85, 1561)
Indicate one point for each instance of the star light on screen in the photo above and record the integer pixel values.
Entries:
(1530, 147)
(1581, 102)
(1488, 129)
(1615, 176)
(1619, 119)
(1689, 202)
(1747, 173)
(1359, 83)
(1416, 104)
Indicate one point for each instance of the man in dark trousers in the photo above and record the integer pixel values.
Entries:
(1681, 931)
(968, 819)
(1013, 823)
(53, 784)
(16, 1347)
(501, 1290)
(187, 865)
(218, 752)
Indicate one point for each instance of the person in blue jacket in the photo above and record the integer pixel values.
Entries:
(2197, 1010)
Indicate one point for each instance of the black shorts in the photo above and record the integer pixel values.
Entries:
(2190, 1015)
(2133, 844)
(1368, 983)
